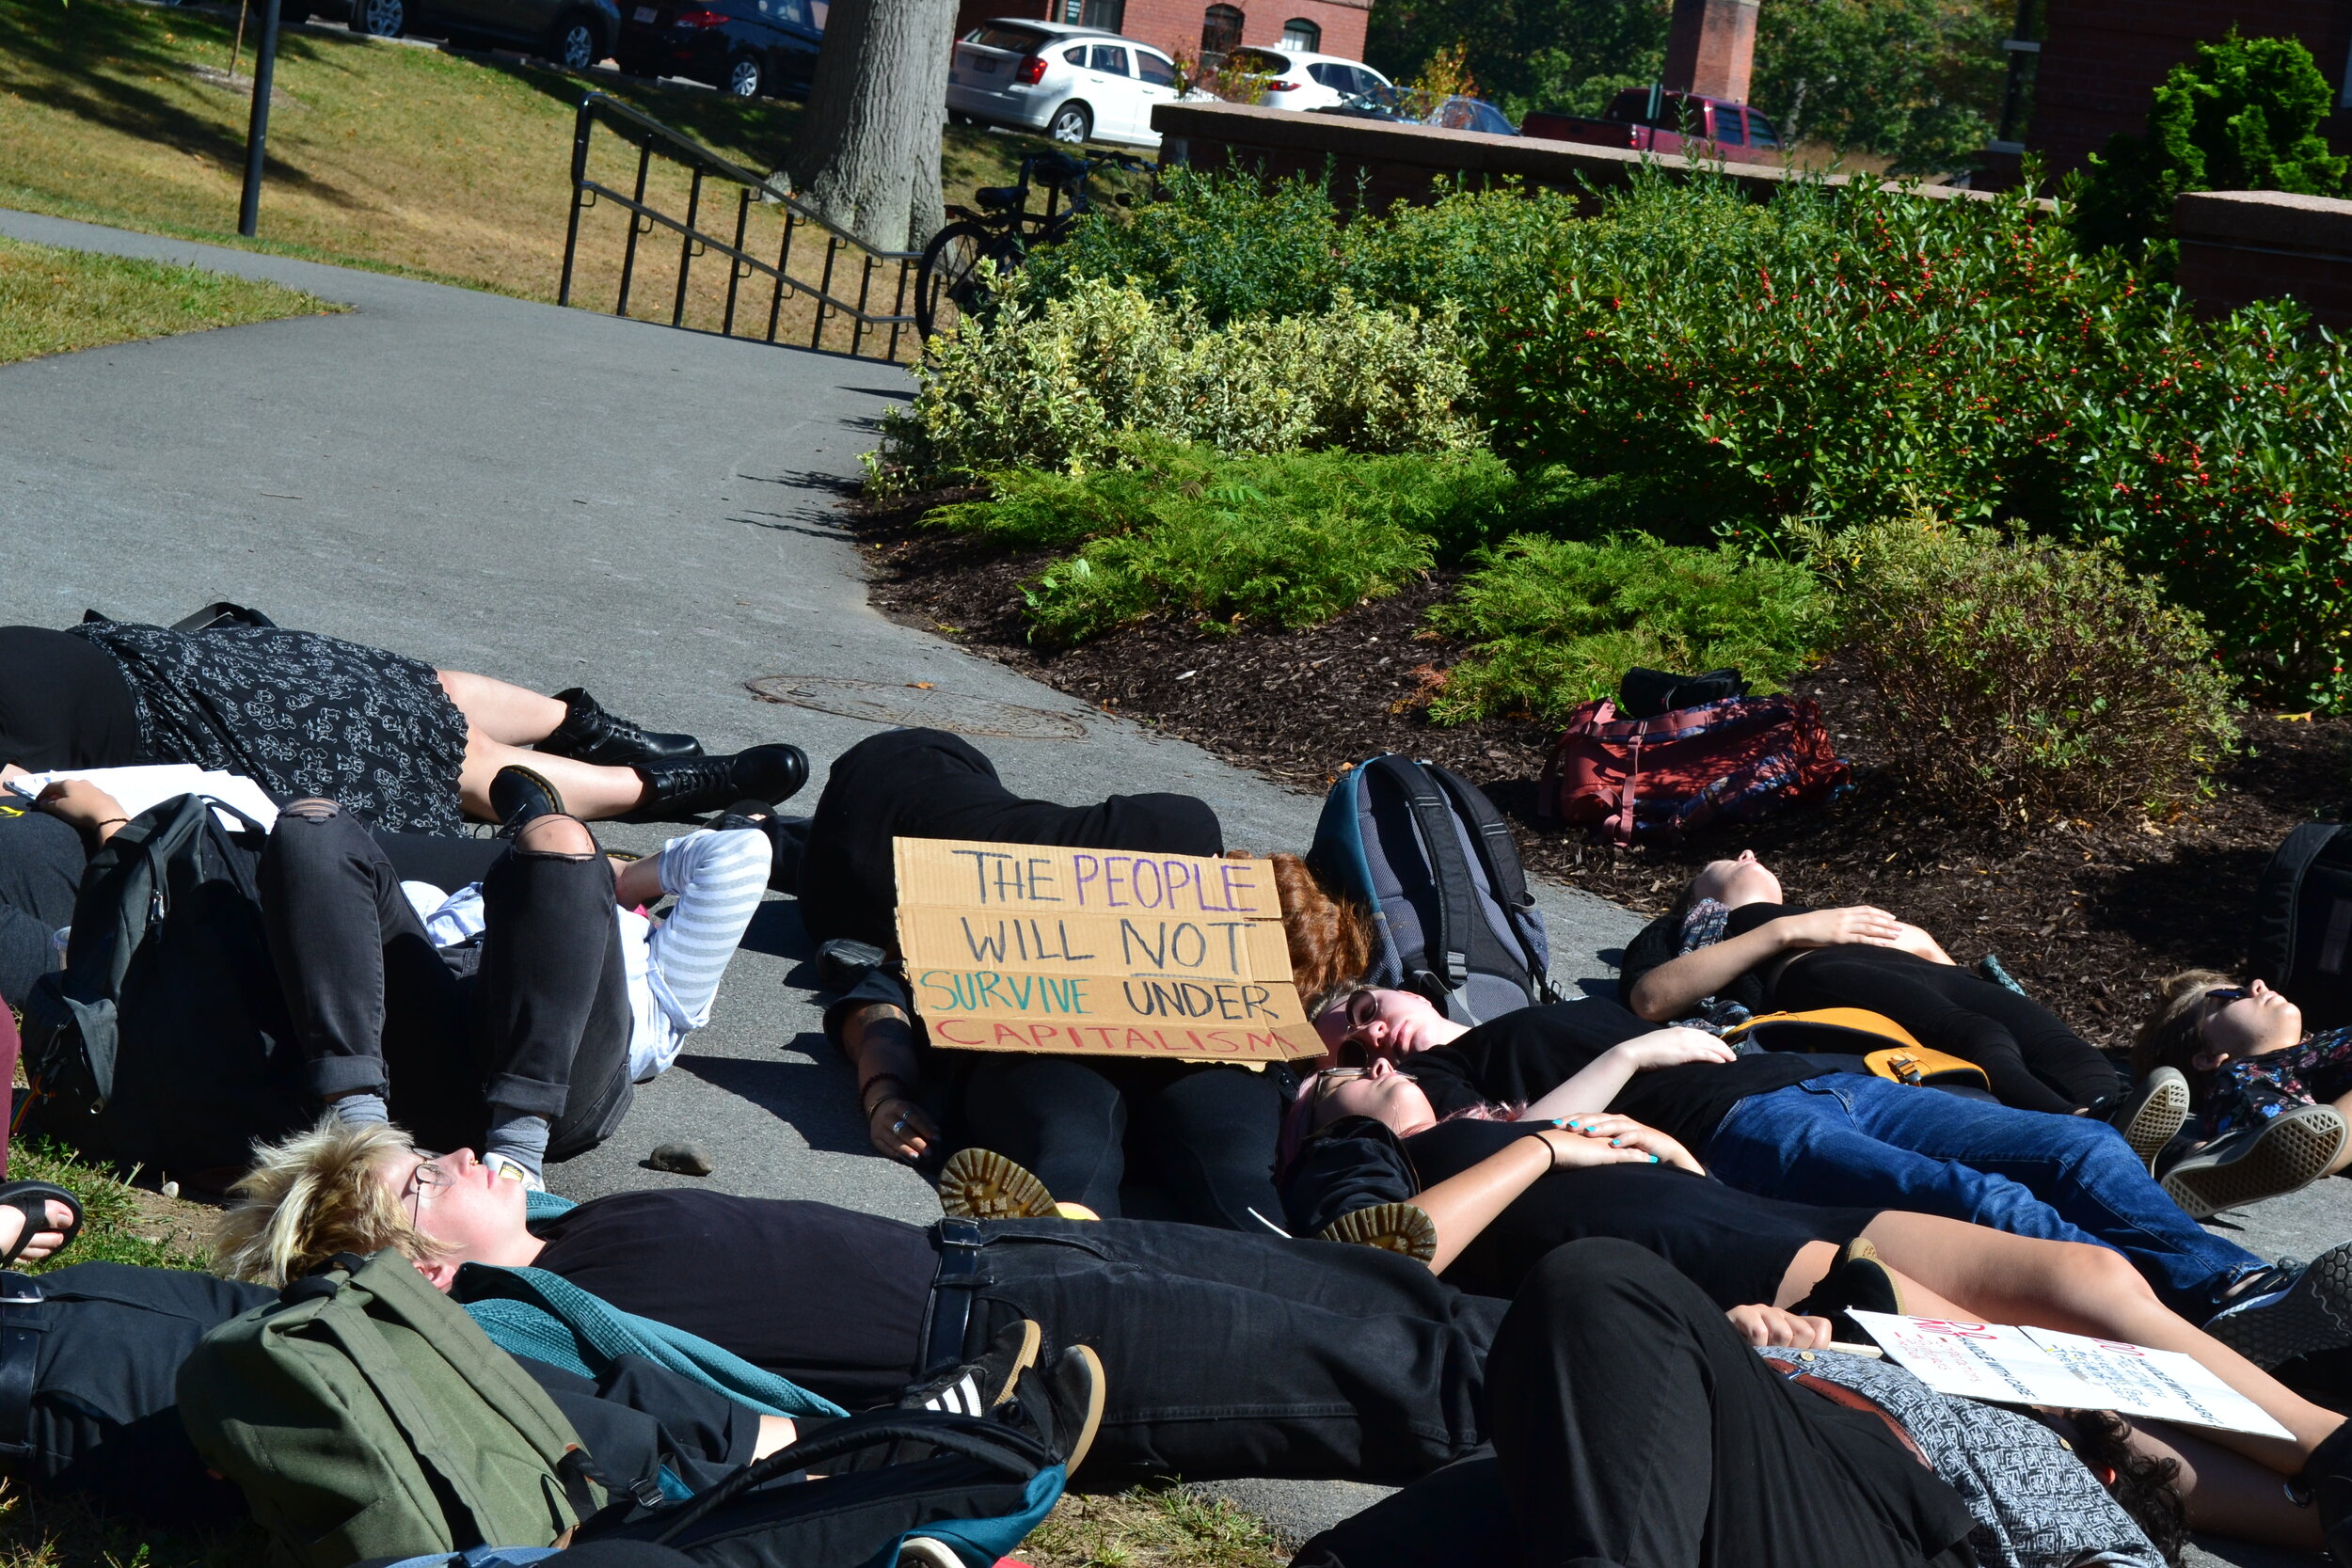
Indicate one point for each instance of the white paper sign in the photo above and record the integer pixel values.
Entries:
(2005, 1365)
(138, 788)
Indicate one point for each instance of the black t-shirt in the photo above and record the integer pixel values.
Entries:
(928, 784)
(1685, 1102)
(1661, 941)
(830, 1298)
(64, 702)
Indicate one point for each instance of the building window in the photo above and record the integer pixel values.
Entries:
(1220, 32)
(1103, 16)
(1300, 33)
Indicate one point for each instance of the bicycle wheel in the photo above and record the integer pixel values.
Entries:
(959, 269)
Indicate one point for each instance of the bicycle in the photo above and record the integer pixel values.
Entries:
(962, 262)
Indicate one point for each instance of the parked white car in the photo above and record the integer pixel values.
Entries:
(1074, 83)
(1304, 81)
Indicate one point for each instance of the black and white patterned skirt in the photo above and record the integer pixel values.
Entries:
(299, 714)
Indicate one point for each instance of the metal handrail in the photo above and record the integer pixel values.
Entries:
(647, 134)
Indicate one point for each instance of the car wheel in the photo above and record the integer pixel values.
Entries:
(1071, 122)
(574, 44)
(743, 77)
(382, 18)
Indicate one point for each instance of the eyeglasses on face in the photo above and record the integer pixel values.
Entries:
(427, 1174)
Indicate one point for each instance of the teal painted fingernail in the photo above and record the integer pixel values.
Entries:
(1653, 1159)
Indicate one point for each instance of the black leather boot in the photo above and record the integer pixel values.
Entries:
(591, 735)
(677, 790)
(520, 796)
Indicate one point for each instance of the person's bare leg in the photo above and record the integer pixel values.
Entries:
(2227, 1494)
(2077, 1287)
(502, 711)
(590, 792)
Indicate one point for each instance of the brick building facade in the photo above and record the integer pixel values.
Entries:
(1188, 26)
(2101, 59)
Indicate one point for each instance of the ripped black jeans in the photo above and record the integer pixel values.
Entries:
(539, 1027)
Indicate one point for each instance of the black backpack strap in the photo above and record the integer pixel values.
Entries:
(989, 1442)
(1498, 852)
(1497, 847)
(1447, 949)
(24, 1318)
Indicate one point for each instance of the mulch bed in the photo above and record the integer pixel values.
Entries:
(2087, 917)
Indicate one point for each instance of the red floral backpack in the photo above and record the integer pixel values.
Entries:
(1645, 780)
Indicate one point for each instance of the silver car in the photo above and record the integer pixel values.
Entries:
(1074, 83)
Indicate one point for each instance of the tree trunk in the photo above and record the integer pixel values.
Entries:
(867, 156)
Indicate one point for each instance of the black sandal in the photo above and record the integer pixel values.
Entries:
(32, 1199)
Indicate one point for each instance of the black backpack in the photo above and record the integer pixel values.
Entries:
(897, 1487)
(2302, 942)
(165, 1040)
(1427, 854)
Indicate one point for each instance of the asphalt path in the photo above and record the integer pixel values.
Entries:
(561, 498)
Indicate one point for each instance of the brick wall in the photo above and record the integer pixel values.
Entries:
(1406, 162)
(1175, 25)
(2237, 246)
(2101, 59)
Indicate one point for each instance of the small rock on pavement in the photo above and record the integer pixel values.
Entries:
(684, 1158)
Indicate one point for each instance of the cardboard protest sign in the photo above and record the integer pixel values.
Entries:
(2004, 1365)
(1098, 953)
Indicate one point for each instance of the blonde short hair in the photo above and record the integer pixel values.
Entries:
(311, 1196)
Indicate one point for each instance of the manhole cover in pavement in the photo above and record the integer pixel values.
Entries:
(916, 702)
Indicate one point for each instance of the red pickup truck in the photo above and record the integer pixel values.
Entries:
(1668, 122)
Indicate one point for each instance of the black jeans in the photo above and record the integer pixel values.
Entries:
(1206, 1129)
(2036, 1062)
(1632, 1426)
(1230, 1356)
(540, 1028)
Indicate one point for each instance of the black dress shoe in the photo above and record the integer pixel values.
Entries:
(787, 841)
(518, 796)
(677, 790)
(591, 735)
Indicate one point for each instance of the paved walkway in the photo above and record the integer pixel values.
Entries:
(561, 498)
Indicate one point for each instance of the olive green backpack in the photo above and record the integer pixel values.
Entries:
(366, 1415)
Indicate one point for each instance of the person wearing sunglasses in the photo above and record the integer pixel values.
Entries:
(2271, 1102)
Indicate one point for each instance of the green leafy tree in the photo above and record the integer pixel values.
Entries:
(1914, 80)
(2242, 116)
(1918, 80)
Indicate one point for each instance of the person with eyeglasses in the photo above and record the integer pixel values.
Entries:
(2271, 1102)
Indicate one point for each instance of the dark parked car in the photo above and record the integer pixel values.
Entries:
(1399, 107)
(745, 47)
(575, 34)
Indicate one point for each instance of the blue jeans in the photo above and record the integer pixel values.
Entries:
(1859, 1142)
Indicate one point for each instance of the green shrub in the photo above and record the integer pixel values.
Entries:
(1239, 246)
(1735, 364)
(2244, 115)
(1289, 540)
(2021, 683)
(1062, 384)
(1553, 622)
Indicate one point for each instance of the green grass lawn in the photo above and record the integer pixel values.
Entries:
(381, 154)
(55, 301)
